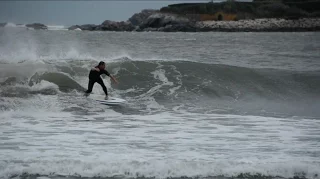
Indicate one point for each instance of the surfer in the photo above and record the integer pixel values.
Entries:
(94, 76)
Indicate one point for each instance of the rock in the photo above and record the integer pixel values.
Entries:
(37, 26)
(179, 28)
(3, 24)
(88, 27)
(162, 20)
(138, 18)
(150, 29)
(74, 27)
(105, 26)
(85, 27)
(98, 28)
(108, 25)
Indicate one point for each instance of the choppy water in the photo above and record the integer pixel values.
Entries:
(199, 105)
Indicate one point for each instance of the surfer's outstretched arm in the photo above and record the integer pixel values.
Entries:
(114, 79)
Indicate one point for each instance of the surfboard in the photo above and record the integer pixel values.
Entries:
(109, 101)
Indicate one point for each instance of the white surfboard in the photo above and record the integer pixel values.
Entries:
(109, 101)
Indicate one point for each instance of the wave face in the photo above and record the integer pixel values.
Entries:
(218, 81)
(207, 86)
(234, 105)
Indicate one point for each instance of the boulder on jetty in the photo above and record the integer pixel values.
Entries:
(108, 25)
(85, 27)
(3, 24)
(74, 27)
(138, 18)
(304, 24)
(37, 26)
(88, 27)
(159, 20)
(105, 26)
(167, 23)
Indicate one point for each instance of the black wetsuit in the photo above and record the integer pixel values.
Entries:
(94, 76)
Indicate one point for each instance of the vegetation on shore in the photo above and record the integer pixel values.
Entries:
(235, 10)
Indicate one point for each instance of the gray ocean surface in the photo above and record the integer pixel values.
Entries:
(199, 105)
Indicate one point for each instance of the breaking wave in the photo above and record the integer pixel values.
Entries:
(166, 84)
(183, 77)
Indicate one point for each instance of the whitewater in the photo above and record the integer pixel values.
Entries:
(199, 105)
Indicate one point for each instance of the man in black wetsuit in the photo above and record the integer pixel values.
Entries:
(94, 76)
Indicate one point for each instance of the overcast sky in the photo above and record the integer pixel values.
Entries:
(76, 12)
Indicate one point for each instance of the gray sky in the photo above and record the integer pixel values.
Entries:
(76, 12)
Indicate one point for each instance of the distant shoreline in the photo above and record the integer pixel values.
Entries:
(257, 25)
(230, 16)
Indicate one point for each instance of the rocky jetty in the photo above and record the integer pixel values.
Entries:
(167, 23)
(175, 23)
(105, 26)
(116, 26)
(269, 25)
(139, 18)
(159, 20)
(37, 26)
(154, 20)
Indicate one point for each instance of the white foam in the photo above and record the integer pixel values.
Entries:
(157, 168)
(16, 50)
(44, 85)
(25, 46)
(9, 25)
(12, 25)
(148, 97)
(56, 27)
(160, 75)
(49, 141)
(190, 39)
(178, 77)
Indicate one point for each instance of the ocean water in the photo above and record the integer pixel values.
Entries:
(199, 105)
